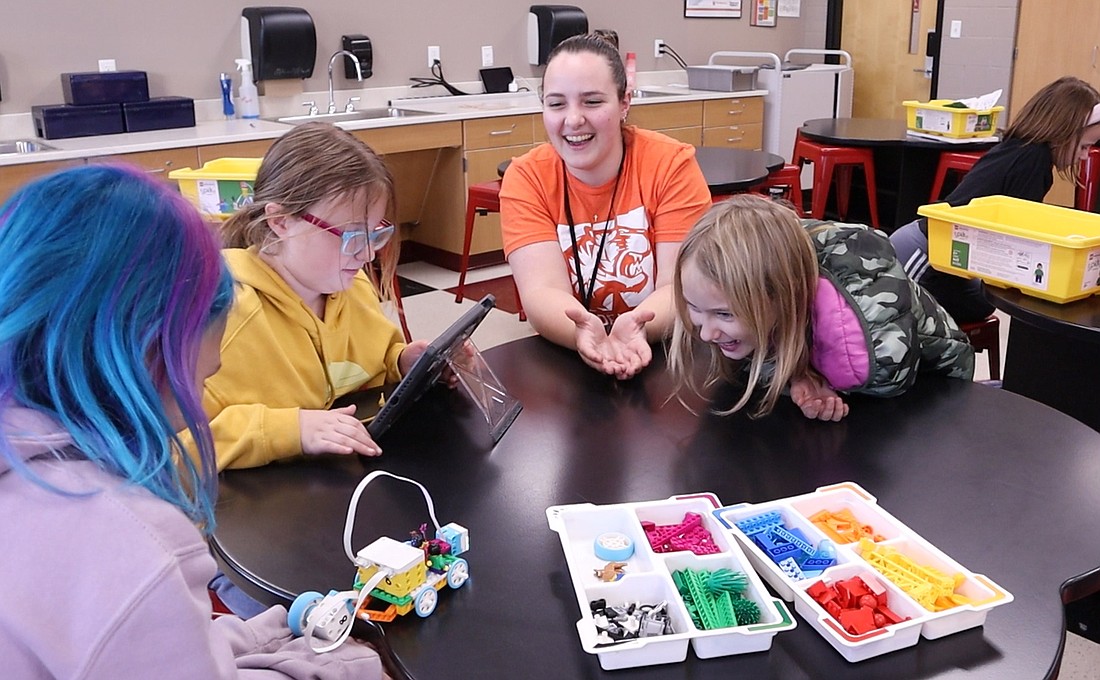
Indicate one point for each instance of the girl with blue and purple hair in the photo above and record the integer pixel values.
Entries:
(113, 306)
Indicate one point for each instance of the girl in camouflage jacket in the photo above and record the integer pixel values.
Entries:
(814, 307)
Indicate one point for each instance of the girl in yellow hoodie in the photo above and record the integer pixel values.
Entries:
(306, 326)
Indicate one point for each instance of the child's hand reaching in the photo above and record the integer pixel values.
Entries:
(335, 431)
(817, 401)
(410, 354)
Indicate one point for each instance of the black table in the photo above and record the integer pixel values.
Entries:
(726, 170)
(1053, 351)
(1002, 484)
(905, 165)
(730, 171)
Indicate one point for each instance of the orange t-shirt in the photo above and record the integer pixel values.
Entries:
(661, 194)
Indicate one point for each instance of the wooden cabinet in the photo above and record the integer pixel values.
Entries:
(14, 176)
(159, 162)
(426, 163)
(679, 120)
(735, 122)
(254, 149)
(488, 142)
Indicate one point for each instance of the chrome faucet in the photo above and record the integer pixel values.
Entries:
(331, 60)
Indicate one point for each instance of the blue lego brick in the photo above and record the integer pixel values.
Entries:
(795, 536)
(754, 525)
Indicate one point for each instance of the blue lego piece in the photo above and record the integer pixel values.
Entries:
(795, 536)
(777, 549)
(791, 569)
(751, 526)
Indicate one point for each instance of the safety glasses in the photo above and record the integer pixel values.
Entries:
(355, 237)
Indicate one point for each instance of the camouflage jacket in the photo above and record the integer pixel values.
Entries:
(904, 329)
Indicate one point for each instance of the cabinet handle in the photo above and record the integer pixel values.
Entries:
(1094, 49)
(496, 133)
(155, 171)
(735, 139)
(735, 112)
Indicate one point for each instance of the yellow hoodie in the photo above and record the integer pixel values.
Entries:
(278, 357)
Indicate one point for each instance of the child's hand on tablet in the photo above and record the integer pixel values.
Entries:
(335, 431)
(410, 354)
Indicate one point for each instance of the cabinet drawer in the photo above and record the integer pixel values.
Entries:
(488, 133)
(666, 116)
(253, 149)
(733, 111)
(159, 162)
(749, 136)
(418, 137)
(688, 135)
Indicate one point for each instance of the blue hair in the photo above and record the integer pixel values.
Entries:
(110, 279)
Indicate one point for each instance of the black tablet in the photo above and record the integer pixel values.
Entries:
(427, 368)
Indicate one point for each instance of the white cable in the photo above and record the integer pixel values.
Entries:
(359, 597)
(349, 523)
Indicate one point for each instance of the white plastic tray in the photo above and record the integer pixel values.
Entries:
(648, 578)
(796, 511)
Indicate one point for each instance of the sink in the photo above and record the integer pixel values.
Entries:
(649, 94)
(386, 112)
(20, 146)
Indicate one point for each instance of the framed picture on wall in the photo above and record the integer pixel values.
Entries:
(763, 12)
(728, 9)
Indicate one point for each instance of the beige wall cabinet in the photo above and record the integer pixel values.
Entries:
(426, 162)
(159, 162)
(737, 122)
(679, 120)
(14, 176)
(488, 142)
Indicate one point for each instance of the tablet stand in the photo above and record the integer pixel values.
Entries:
(484, 389)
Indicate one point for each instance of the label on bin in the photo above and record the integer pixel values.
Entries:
(1010, 258)
(221, 196)
(1091, 277)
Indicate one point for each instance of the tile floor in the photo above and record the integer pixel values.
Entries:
(430, 308)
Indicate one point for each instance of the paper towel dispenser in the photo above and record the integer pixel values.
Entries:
(280, 41)
(548, 25)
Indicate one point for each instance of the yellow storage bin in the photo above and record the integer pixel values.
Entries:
(1044, 250)
(936, 118)
(220, 186)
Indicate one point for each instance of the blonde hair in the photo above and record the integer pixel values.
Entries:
(758, 255)
(307, 165)
(1056, 115)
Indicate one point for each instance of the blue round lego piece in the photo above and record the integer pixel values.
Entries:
(614, 546)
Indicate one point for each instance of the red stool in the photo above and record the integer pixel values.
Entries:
(959, 161)
(985, 336)
(788, 178)
(840, 160)
(1088, 181)
(481, 199)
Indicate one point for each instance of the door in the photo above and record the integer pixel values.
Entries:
(1048, 48)
(878, 35)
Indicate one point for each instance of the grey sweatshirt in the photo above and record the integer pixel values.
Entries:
(112, 583)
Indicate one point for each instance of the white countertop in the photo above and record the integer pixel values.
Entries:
(447, 108)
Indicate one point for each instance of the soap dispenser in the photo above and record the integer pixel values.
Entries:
(249, 96)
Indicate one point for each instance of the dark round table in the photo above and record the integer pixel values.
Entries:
(1002, 484)
(1053, 353)
(905, 164)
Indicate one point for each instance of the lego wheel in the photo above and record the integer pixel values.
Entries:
(458, 574)
(613, 546)
(299, 610)
(425, 602)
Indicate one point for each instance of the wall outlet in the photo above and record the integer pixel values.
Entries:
(433, 55)
(658, 48)
(106, 65)
(956, 29)
(486, 56)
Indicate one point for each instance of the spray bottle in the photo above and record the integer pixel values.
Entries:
(249, 97)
